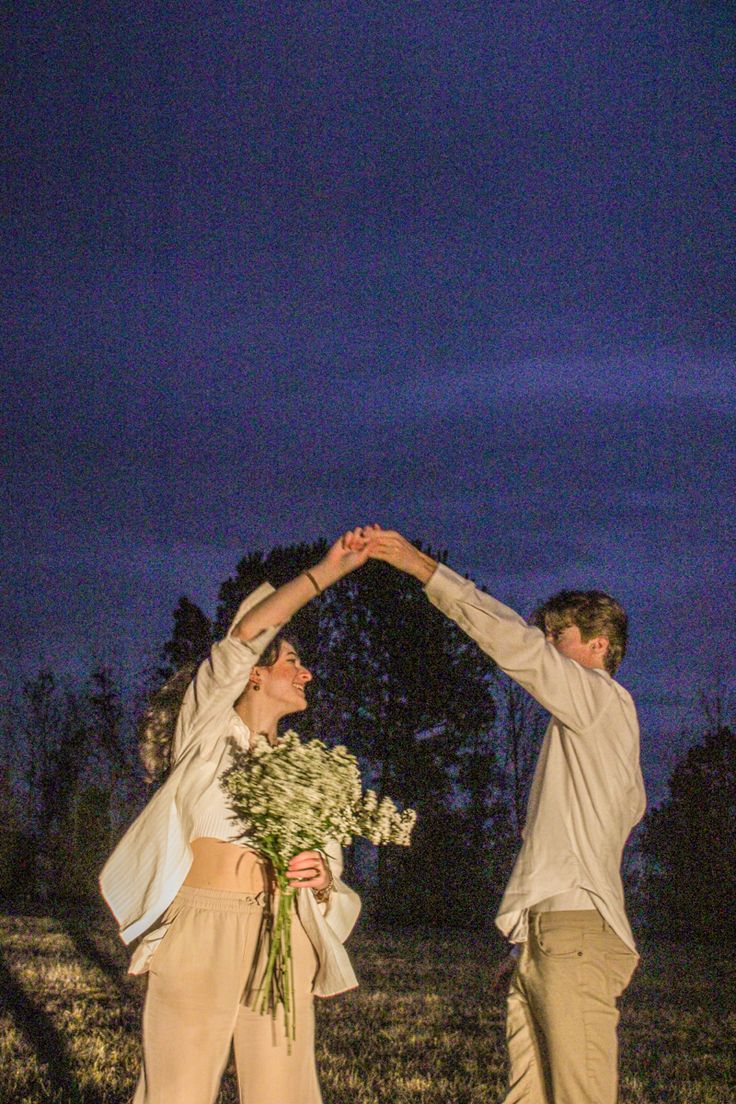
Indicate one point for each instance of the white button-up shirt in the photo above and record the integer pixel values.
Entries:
(587, 792)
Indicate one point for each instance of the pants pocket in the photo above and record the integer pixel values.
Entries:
(557, 940)
(159, 939)
(620, 961)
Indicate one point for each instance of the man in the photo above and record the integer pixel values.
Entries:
(564, 901)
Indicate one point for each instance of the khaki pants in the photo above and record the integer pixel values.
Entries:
(562, 1013)
(195, 1009)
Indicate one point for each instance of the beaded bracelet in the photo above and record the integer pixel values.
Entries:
(321, 896)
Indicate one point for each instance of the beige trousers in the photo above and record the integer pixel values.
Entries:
(562, 1013)
(195, 1009)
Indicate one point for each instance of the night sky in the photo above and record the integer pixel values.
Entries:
(273, 270)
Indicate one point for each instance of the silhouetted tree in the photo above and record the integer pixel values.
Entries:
(412, 695)
(74, 764)
(689, 844)
(53, 738)
(110, 782)
(190, 640)
(521, 725)
(17, 866)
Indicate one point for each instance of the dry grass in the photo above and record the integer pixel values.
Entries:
(422, 1029)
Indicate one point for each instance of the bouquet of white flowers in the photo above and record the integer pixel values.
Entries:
(291, 797)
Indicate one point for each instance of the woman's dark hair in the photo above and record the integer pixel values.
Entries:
(156, 727)
(271, 652)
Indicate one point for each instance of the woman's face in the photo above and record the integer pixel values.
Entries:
(284, 682)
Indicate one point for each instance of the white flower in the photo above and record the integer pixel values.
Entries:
(295, 796)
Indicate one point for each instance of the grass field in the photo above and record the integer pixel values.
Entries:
(423, 1027)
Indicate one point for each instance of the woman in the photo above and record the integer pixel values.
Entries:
(182, 880)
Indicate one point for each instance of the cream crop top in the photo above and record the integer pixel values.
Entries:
(211, 816)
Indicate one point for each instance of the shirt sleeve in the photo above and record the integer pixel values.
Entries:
(231, 659)
(343, 905)
(222, 677)
(574, 694)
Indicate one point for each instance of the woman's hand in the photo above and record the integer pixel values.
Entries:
(392, 548)
(349, 552)
(308, 870)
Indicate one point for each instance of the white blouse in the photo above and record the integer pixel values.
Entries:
(147, 868)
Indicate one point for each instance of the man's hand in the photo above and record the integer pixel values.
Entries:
(504, 969)
(392, 548)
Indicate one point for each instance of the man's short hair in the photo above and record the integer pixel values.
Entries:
(594, 612)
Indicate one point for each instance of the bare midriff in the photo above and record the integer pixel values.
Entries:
(217, 864)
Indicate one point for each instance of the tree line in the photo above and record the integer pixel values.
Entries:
(434, 723)
(68, 778)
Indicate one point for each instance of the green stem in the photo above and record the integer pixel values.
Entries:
(277, 986)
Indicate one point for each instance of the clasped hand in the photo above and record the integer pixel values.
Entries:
(371, 541)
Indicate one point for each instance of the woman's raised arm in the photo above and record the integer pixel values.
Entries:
(349, 552)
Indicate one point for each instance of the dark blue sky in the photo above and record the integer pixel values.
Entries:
(273, 270)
